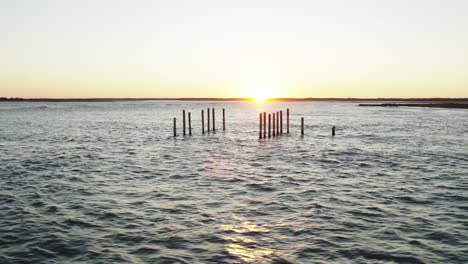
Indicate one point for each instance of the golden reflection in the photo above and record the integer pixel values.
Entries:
(242, 244)
(248, 254)
(239, 239)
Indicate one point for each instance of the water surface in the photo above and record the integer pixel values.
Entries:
(107, 183)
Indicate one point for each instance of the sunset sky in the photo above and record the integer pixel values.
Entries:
(216, 48)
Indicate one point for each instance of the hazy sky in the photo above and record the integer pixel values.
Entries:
(216, 48)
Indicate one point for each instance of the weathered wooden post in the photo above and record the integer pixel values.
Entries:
(208, 119)
(269, 125)
(287, 120)
(274, 125)
(183, 122)
(264, 124)
(302, 126)
(281, 122)
(333, 131)
(189, 125)
(175, 131)
(213, 110)
(202, 122)
(224, 121)
(260, 127)
(277, 123)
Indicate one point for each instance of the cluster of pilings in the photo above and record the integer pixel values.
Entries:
(275, 124)
(211, 127)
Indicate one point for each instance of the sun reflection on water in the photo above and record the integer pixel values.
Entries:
(243, 247)
(244, 227)
(248, 254)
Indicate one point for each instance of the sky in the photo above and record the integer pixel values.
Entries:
(217, 48)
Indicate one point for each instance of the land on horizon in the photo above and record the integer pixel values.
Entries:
(18, 99)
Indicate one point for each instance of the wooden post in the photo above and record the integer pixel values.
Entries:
(213, 110)
(333, 131)
(264, 124)
(277, 123)
(175, 131)
(287, 120)
(202, 122)
(260, 128)
(183, 122)
(224, 121)
(281, 122)
(208, 119)
(302, 125)
(274, 124)
(189, 125)
(269, 125)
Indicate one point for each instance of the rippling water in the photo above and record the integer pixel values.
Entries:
(107, 183)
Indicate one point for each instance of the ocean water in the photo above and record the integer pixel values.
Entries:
(107, 183)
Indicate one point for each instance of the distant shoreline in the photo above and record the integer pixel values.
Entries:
(434, 105)
(439, 100)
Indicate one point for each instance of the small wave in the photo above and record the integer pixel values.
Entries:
(329, 161)
(43, 252)
(387, 256)
(172, 242)
(146, 250)
(52, 209)
(171, 260)
(261, 187)
(366, 214)
(79, 223)
(413, 200)
(445, 237)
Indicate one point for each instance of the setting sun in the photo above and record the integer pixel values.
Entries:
(260, 91)
(259, 98)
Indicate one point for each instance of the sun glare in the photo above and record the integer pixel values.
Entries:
(258, 98)
(260, 92)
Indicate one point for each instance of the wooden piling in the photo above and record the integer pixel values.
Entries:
(208, 119)
(224, 121)
(333, 131)
(274, 124)
(269, 125)
(260, 126)
(175, 130)
(302, 126)
(183, 122)
(189, 125)
(281, 122)
(277, 123)
(264, 124)
(213, 112)
(287, 120)
(202, 122)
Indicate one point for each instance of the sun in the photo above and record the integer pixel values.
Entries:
(260, 92)
(259, 98)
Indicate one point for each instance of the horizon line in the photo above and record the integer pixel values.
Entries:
(109, 99)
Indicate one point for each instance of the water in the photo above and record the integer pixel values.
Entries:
(107, 183)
